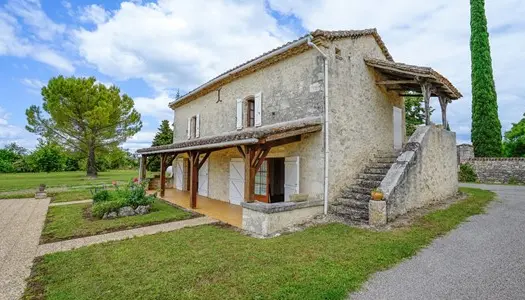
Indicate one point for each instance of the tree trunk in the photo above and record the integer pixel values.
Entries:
(91, 163)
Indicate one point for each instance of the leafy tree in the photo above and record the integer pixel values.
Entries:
(514, 143)
(48, 157)
(12, 158)
(15, 148)
(164, 136)
(414, 113)
(84, 116)
(486, 127)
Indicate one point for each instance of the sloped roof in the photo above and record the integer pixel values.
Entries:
(275, 55)
(245, 136)
(397, 70)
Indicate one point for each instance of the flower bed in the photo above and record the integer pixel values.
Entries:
(122, 201)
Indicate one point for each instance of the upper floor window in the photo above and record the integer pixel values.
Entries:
(249, 111)
(193, 127)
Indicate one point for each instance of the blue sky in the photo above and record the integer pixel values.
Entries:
(151, 48)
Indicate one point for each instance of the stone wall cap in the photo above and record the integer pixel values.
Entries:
(270, 208)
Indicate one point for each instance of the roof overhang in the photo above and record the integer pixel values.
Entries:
(403, 78)
(269, 134)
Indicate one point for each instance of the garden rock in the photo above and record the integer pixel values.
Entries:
(111, 215)
(126, 211)
(142, 209)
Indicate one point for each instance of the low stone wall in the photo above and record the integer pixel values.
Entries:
(426, 171)
(499, 170)
(265, 219)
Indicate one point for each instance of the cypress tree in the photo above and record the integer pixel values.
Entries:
(486, 127)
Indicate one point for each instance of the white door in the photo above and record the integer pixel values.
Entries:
(291, 177)
(398, 128)
(236, 181)
(203, 180)
(179, 174)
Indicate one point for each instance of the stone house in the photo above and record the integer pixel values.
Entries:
(310, 127)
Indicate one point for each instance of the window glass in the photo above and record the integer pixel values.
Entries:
(260, 179)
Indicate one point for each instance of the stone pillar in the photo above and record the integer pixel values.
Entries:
(377, 213)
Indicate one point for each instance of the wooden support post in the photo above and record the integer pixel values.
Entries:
(426, 89)
(249, 174)
(142, 168)
(194, 178)
(443, 101)
(163, 158)
(255, 156)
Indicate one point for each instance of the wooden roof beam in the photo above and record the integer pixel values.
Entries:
(394, 82)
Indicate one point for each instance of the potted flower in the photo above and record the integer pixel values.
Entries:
(377, 195)
(42, 187)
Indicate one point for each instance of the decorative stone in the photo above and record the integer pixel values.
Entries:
(126, 211)
(111, 215)
(142, 209)
(377, 213)
(40, 195)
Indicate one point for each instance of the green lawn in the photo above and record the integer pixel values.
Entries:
(64, 196)
(212, 262)
(70, 221)
(22, 181)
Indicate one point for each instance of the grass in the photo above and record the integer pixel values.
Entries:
(212, 262)
(22, 181)
(64, 196)
(72, 221)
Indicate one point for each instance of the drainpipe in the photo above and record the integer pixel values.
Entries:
(326, 115)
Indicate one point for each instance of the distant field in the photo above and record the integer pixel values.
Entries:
(24, 181)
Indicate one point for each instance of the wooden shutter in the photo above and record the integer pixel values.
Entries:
(197, 125)
(291, 177)
(258, 109)
(239, 113)
(189, 128)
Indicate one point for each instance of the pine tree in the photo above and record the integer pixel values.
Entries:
(486, 127)
(164, 136)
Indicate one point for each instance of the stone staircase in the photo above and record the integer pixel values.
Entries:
(353, 203)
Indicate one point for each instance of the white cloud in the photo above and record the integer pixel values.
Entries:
(34, 85)
(435, 34)
(179, 44)
(140, 140)
(35, 18)
(13, 134)
(94, 13)
(12, 43)
(156, 106)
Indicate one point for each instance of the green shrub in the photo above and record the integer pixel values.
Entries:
(467, 174)
(513, 180)
(99, 209)
(101, 196)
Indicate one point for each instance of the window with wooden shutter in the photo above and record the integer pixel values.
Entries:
(250, 112)
(189, 128)
(258, 109)
(239, 113)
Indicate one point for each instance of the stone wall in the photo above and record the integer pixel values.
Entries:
(425, 172)
(499, 170)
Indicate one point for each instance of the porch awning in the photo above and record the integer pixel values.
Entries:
(249, 136)
(403, 77)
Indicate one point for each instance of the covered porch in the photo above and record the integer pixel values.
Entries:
(415, 81)
(252, 145)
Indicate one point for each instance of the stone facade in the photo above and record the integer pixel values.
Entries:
(499, 170)
(425, 172)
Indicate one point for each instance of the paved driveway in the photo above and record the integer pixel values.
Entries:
(21, 222)
(482, 259)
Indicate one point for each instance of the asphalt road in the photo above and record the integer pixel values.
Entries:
(482, 259)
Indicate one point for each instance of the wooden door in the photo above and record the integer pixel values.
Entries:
(262, 183)
(203, 179)
(236, 181)
(291, 177)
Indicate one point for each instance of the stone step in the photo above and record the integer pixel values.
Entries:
(356, 196)
(387, 160)
(368, 183)
(358, 189)
(376, 171)
(380, 166)
(354, 203)
(350, 213)
(375, 177)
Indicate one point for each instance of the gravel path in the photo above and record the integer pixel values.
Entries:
(482, 259)
(21, 222)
